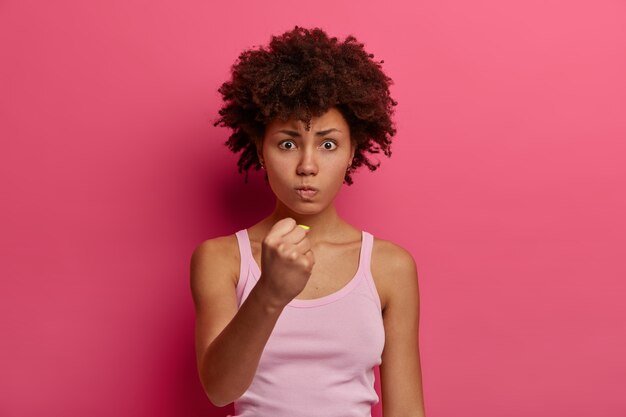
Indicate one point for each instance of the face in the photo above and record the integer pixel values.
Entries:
(318, 157)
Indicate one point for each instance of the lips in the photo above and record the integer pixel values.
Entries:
(306, 192)
(307, 188)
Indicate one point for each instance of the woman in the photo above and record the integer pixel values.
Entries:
(294, 312)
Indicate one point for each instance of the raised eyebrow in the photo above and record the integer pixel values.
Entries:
(294, 133)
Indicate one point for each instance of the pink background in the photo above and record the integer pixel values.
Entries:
(506, 183)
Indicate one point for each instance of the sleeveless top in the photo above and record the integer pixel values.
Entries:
(319, 359)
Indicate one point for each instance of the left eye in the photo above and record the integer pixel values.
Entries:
(329, 141)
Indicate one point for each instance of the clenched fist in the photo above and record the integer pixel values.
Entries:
(287, 261)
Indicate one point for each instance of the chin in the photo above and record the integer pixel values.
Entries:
(302, 207)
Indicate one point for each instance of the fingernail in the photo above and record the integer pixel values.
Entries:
(304, 226)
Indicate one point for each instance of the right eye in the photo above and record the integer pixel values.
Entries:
(285, 142)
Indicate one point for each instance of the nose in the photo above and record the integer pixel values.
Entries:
(307, 164)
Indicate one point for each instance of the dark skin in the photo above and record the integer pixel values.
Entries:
(335, 244)
(293, 156)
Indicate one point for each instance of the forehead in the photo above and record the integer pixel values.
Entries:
(331, 119)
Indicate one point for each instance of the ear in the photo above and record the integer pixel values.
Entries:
(258, 143)
(353, 146)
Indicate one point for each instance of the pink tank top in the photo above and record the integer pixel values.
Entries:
(320, 358)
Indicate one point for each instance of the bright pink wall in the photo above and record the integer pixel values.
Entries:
(506, 182)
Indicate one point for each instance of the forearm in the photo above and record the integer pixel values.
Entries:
(231, 360)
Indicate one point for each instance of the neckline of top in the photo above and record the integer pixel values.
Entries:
(314, 302)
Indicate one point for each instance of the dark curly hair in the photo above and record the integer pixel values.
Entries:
(302, 74)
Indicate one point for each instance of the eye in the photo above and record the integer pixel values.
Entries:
(292, 144)
(331, 142)
(286, 141)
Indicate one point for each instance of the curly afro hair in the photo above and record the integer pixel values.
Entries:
(302, 74)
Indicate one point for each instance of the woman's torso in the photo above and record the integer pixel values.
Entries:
(320, 357)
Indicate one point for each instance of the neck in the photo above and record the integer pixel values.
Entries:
(324, 224)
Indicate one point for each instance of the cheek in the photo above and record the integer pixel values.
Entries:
(338, 167)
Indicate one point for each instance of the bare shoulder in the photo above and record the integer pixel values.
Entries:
(219, 254)
(213, 278)
(393, 268)
(400, 370)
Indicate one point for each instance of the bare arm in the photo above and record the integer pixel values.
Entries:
(400, 370)
(229, 342)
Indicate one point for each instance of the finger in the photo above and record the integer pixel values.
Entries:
(304, 245)
(309, 255)
(296, 235)
(283, 226)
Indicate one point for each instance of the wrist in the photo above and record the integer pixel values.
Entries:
(268, 301)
